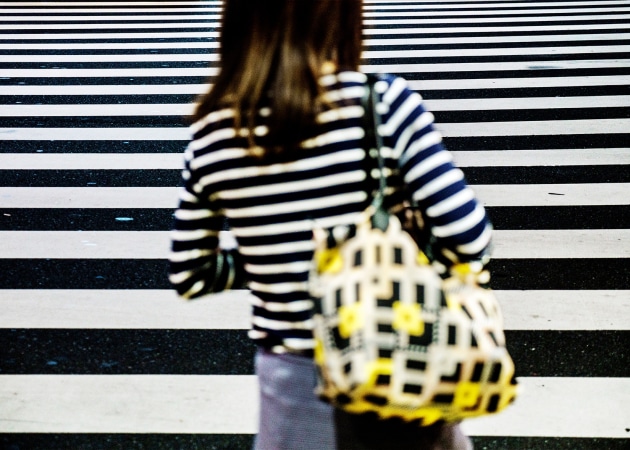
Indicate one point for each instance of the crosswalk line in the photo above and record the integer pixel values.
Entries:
(496, 11)
(525, 128)
(119, 309)
(507, 244)
(25, 37)
(445, 21)
(96, 134)
(183, 109)
(536, 127)
(161, 309)
(105, 18)
(386, 54)
(506, 83)
(128, 404)
(166, 197)
(125, 3)
(548, 407)
(459, 67)
(534, 64)
(553, 194)
(371, 18)
(479, 158)
(405, 29)
(164, 404)
(426, 41)
(563, 157)
(99, 9)
(565, 310)
(495, 4)
(421, 85)
(106, 26)
(102, 161)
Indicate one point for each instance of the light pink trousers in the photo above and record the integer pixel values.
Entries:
(293, 418)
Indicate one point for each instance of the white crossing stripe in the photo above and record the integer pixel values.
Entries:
(427, 41)
(101, 161)
(95, 134)
(125, 3)
(61, 197)
(495, 4)
(507, 244)
(128, 404)
(97, 46)
(538, 19)
(479, 158)
(494, 29)
(398, 54)
(181, 109)
(162, 309)
(536, 127)
(566, 309)
(554, 194)
(228, 404)
(421, 85)
(108, 26)
(485, 66)
(122, 309)
(116, 35)
(166, 197)
(503, 83)
(370, 31)
(534, 64)
(526, 128)
(115, 89)
(564, 157)
(104, 18)
(97, 10)
(562, 407)
(445, 53)
(501, 12)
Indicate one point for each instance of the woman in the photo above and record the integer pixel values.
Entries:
(277, 146)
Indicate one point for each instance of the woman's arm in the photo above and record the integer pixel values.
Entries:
(457, 222)
(198, 265)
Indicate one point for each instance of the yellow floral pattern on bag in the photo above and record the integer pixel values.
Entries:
(394, 338)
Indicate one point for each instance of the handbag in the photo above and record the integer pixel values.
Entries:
(392, 336)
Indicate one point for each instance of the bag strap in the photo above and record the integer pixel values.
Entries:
(373, 143)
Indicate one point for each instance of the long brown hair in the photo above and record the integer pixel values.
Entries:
(272, 53)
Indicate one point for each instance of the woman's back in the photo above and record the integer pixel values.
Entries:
(278, 150)
(272, 203)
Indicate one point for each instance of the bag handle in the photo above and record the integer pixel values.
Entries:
(373, 143)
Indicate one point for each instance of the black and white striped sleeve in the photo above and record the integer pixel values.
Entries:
(198, 265)
(456, 219)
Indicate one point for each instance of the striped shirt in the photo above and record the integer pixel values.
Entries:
(272, 205)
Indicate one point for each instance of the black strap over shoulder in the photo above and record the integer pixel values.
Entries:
(369, 125)
(372, 143)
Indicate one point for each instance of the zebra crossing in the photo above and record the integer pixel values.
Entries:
(533, 98)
